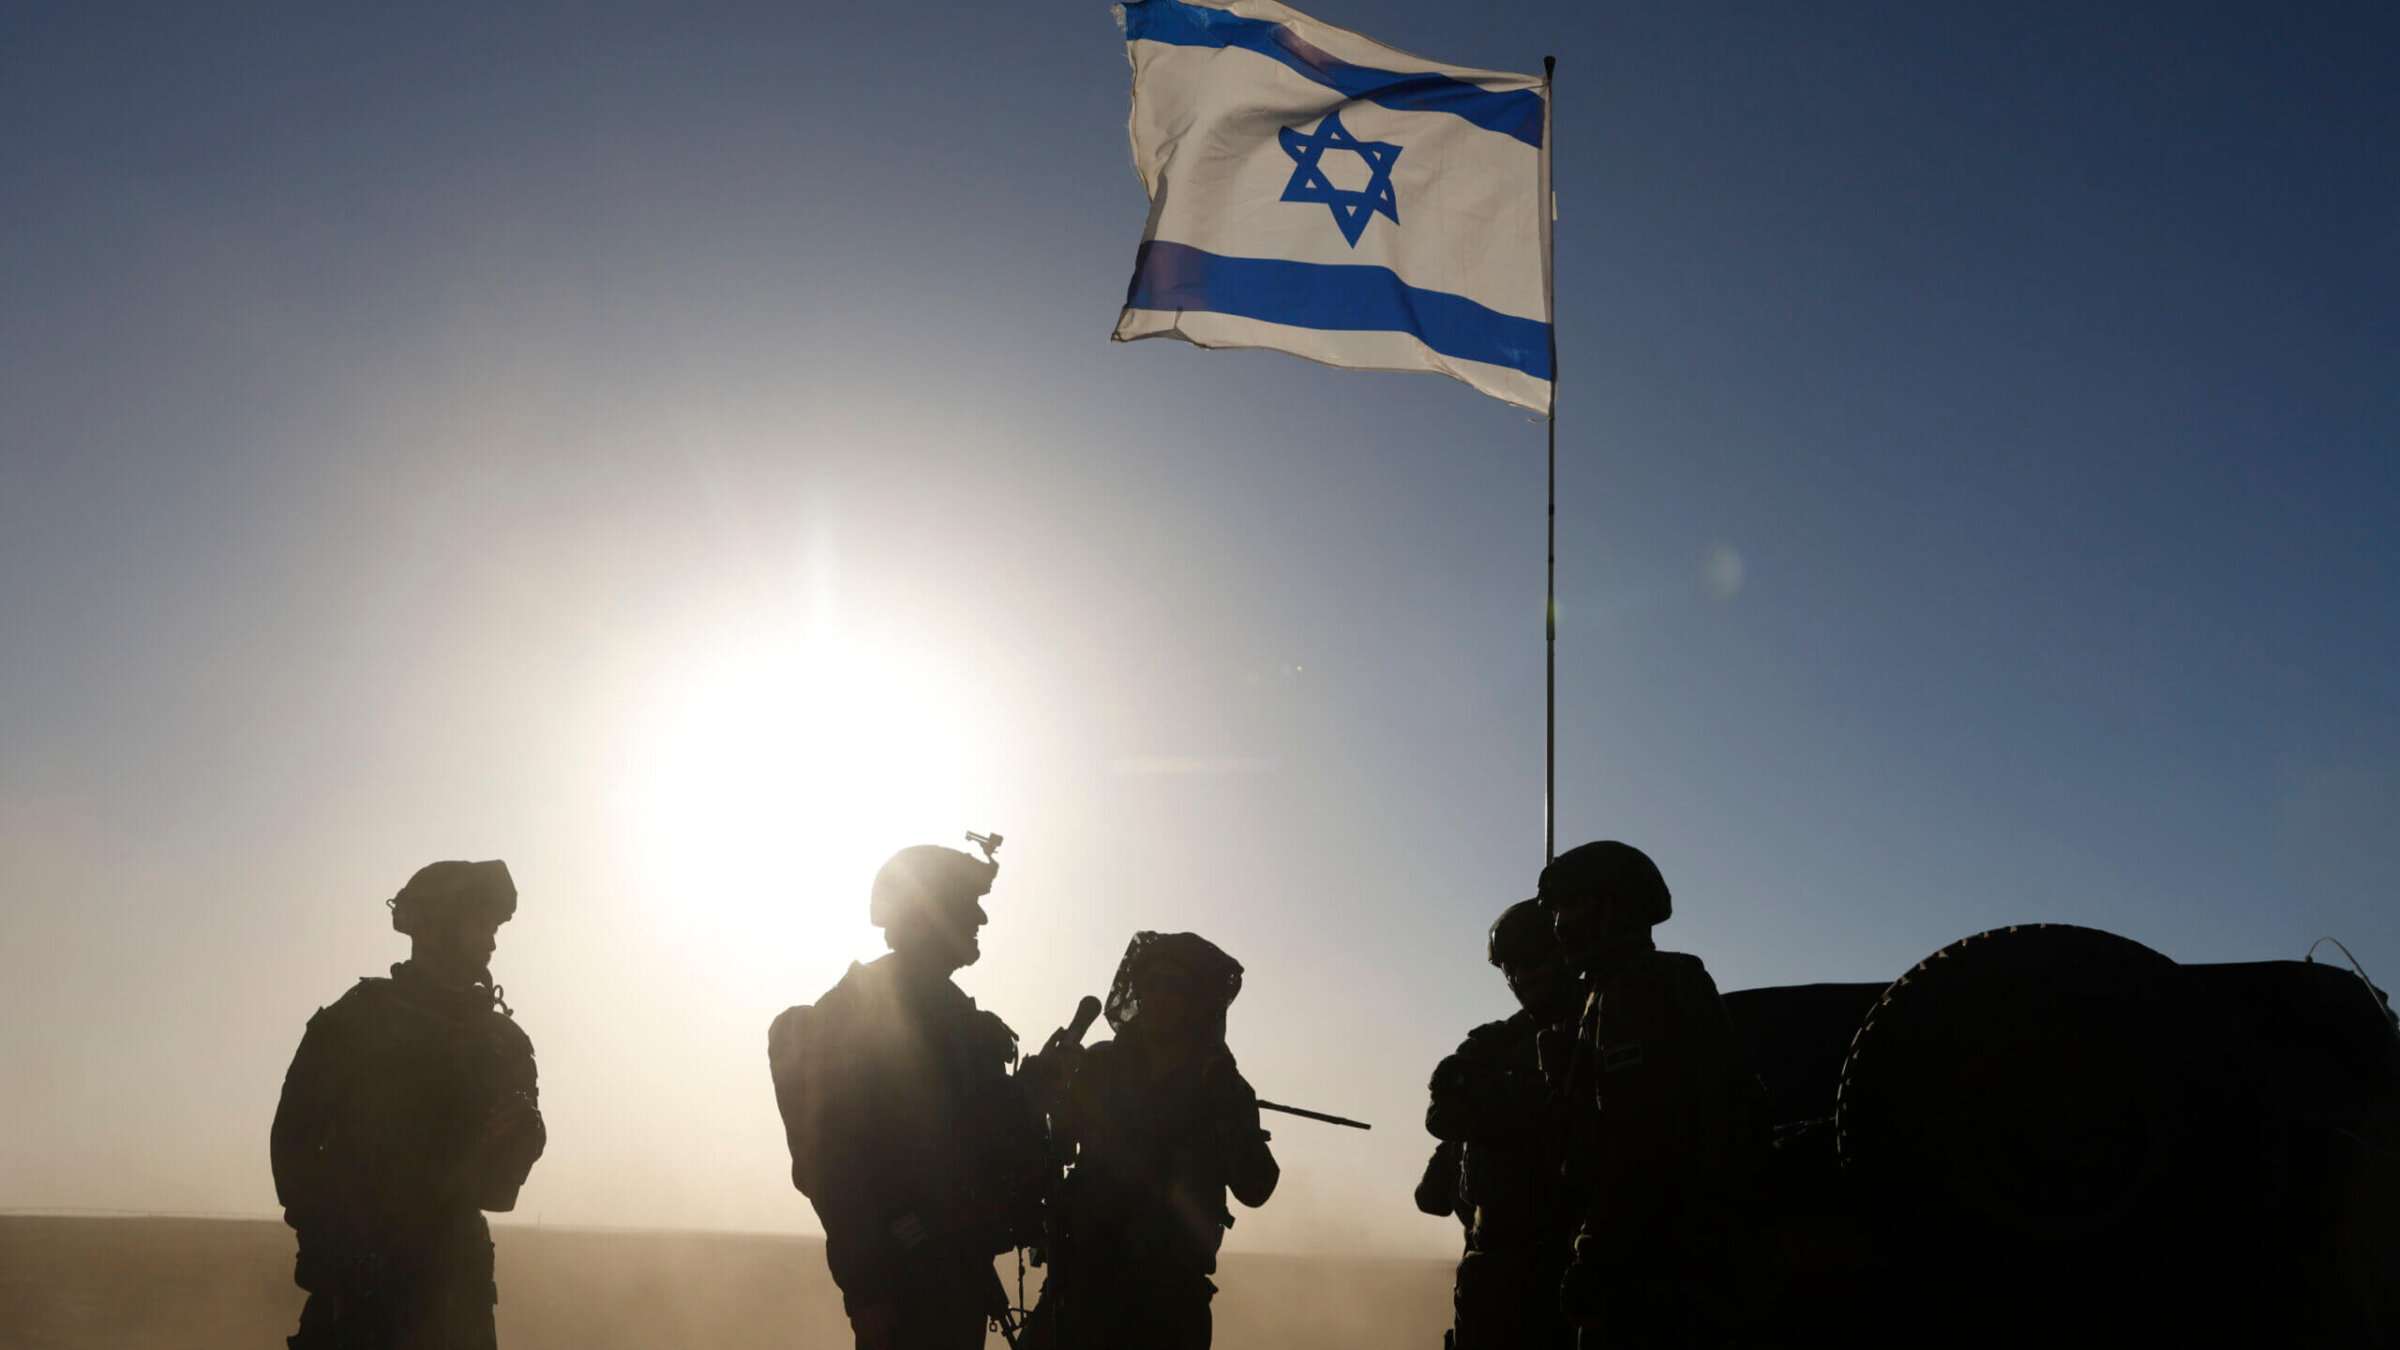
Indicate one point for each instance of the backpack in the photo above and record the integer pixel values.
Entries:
(796, 1055)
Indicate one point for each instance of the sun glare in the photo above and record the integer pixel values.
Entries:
(781, 772)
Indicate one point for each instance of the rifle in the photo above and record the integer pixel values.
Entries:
(1089, 1008)
(1009, 1316)
(1265, 1105)
(1086, 1012)
(997, 1307)
(1056, 1154)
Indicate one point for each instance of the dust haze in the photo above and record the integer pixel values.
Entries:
(205, 1284)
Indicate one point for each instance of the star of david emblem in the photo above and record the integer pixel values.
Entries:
(1309, 183)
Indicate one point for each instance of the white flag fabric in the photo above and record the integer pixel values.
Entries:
(1317, 193)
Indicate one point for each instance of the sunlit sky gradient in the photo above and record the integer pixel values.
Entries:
(677, 451)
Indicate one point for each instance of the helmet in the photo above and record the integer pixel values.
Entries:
(1522, 936)
(926, 874)
(1214, 978)
(1616, 873)
(446, 889)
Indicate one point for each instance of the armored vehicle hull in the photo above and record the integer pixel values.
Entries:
(2048, 1133)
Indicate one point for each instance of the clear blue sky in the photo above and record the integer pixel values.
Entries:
(433, 433)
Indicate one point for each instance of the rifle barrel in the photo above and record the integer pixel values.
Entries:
(1265, 1105)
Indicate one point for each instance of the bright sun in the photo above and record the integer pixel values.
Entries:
(781, 770)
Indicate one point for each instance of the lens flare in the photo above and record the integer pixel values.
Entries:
(779, 774)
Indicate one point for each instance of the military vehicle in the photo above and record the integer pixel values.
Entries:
(2047, 1133)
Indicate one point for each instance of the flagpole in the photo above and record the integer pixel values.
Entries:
(1550, 649)
(1550, 599)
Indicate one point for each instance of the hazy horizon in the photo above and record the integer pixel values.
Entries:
(680, 454)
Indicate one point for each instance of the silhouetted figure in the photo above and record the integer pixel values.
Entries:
(1162, 1126)
(908, 1132)
(1667, 1123)
(409, 1110)
(1499, 1119)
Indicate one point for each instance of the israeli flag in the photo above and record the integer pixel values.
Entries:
(1317, 193)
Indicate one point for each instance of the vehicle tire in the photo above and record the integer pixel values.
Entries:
(2048, 1098)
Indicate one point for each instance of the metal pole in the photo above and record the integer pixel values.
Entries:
(1550, 660)
(1265, 1105)
(1550, 598)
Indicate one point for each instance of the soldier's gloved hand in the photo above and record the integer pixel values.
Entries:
(1238, 1140)
(1582, 1292)
(1049, 1072)
(1228, 1094)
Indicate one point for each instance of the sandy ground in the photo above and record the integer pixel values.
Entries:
(206, 1284)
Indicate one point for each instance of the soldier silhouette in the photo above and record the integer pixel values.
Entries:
(409, 1110)
(1667, 1123)
(920, 1150)
(1162, 1125)
(1497, 1167)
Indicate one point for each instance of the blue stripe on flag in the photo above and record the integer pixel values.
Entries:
(1515, 113)
(1345, 297)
